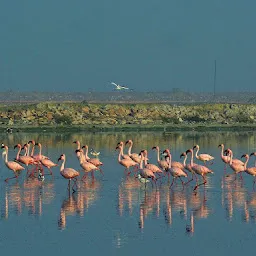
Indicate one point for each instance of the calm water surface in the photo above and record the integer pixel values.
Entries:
(115, 214)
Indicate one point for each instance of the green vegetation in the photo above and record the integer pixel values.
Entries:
(127, 116)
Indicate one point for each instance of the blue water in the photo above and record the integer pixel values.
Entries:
(114, 214)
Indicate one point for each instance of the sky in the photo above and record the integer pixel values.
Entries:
(146, 45)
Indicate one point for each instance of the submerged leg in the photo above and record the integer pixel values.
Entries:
(16, 176)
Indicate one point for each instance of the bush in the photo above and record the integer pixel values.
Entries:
(62, 119)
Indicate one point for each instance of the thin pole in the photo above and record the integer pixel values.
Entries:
(214, 81)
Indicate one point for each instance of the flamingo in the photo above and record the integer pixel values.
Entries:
(153, 167)
(14, 166)
(27, 160)
(94, 161)
(187, 166)
(254, 154)
(121, 143)
(127, 163)
(87, 166)
(146, 173)
(77, 142)
(39, 156)
(173, 163)
(249, 170)
(175, 171)
(225, 159)
(202, 157)
(68, 173)
(134, 156)
(236, 167)
(162, 163)
(45, 161)
(198, 169)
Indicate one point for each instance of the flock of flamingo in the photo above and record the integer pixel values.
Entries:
(142, 170)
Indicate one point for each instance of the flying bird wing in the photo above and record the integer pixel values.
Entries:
(114, 84)
(122, 87)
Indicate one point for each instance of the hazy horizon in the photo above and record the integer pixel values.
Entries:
(151, 46)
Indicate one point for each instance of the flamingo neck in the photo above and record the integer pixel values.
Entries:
(170, 160)
(141, 162)
(119, 155)
(145, 158)
(32, 150)
(28, 148)
(222, 151)
(191, 159)
(18, 153)
(231, 157)
(197, 149)
(26, 151)
(86, 153)
(246, 162)
(63, 165)
(122, 150)
(185, 159)
(158, 154)
(130, 149)
(78, 145)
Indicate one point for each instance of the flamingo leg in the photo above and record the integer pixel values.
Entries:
(203, 183)
(172, 182)
(101, 171)
(92, 175)
(74, 185)
(192, 178)
(181, 182)
(16, 176)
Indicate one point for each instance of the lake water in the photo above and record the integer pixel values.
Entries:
(114, 214)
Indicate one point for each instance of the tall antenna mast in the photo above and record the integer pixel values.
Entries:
(214, 81)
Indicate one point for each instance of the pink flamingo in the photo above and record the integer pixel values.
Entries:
(173, 163)
(94, 161)
(236, 167)
(39, 156)
(249, 170)
(254, 154)
(27, 160)
(45, 161)
(198, 169)
(153, 167)
(134, 156)
(146, 173)
(87, 166)
(14, 166)
(68, 173)
(124, 156)
(162, 163)
(234, 160)
(77, 142)
(225, 159)
(202, 157)
(127, 163)
(175, 171)
(187, 167)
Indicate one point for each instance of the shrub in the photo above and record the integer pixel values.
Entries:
(62, 119)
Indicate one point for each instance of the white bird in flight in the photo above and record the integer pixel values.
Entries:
(119, 87)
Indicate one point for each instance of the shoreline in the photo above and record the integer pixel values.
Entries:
(132, 128)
